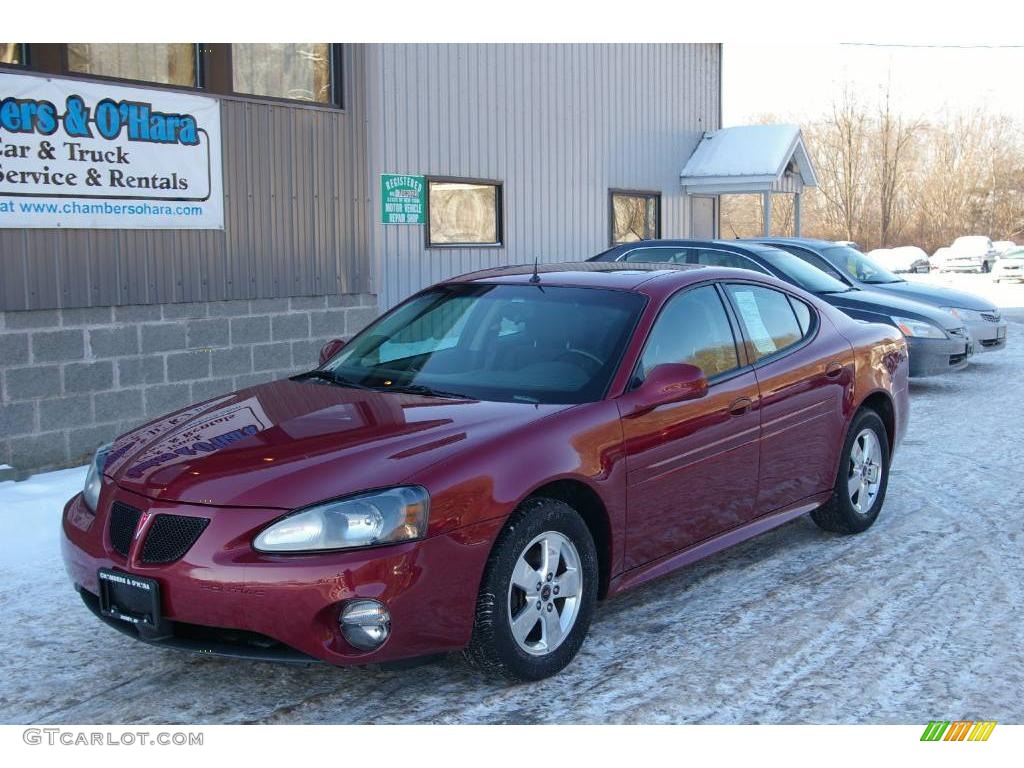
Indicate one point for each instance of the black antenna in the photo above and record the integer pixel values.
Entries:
(535, 277)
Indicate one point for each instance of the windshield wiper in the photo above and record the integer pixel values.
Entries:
(330, 376)
(422, 389)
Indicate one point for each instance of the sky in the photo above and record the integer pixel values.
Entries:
(800, 82)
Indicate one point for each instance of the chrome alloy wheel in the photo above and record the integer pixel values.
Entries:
(544, 594)
(865, 475)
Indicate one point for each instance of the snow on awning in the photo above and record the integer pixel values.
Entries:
(749, 158)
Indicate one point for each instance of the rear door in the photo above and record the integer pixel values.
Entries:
(692, 466)
(803, 370)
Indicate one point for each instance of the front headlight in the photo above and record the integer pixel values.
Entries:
(918, 328)
(964, 314)
(376, 517)
(94, 477)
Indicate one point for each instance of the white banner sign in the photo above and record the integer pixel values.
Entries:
(86, 155)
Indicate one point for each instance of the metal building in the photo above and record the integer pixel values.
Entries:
(338, 180)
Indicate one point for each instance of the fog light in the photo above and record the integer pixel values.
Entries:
(365, 624)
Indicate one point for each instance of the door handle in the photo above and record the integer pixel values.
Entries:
(833, 369)
(740, 406)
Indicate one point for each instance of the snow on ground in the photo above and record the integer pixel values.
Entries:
(917, 619)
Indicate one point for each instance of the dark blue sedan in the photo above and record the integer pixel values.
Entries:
(937, 341)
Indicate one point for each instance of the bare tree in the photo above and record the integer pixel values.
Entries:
(892, 142)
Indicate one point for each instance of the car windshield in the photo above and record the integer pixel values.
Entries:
(799, 271)
(858, 266)
(510, 343)
(1016, 253)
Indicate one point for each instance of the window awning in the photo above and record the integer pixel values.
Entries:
(748, 159)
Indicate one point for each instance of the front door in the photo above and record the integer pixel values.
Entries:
(692, 466)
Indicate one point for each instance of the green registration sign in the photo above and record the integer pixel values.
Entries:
(403, 199)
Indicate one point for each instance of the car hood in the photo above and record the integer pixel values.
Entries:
(288, 444)
(936, 295)
(888, 304)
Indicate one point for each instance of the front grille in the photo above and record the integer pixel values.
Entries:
(957, 359)
(171, 536)
(124, 519)
(992, 342)
(992, 317)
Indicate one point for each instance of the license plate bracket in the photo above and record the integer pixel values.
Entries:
(129, 598)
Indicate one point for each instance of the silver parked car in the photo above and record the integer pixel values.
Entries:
(1010, 266)
(971, 253)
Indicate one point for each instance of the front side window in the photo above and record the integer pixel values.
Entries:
(799, 272)
(463, 213)
(509, 343)
(12, 53)
(768, 319)
(635, 216)
(715, 258)
(860, 267)
(298, 71)
(692, 328)
(167, 63)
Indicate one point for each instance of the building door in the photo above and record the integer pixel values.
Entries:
(704, 212)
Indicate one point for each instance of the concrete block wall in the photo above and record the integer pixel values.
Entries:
(72, 379)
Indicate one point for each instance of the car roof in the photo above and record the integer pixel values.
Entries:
(813, 242)
(588, 274)
(749, 246)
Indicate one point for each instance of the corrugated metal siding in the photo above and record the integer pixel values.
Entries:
(559, 125)
(295, 221)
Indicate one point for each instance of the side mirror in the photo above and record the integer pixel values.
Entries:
(330, 349)
(668, 383)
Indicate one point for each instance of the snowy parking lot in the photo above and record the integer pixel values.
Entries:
(915, 620)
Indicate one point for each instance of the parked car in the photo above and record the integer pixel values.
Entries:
(1010, 266)
(939, 258)
(984, 321)
(483, 463)
(938, 341)
(1003, 247)
(904, 258)
(971, 253)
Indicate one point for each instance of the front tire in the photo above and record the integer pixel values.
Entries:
(862, 480)
(537, 595)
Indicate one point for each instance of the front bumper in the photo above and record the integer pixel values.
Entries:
(223, 598)
(989, 336)
(934, 357)
(972, 265)
(1015, 272)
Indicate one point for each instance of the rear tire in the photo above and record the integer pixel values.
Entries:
(862, 479)
(534, 606)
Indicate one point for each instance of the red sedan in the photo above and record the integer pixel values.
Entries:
(480, 466)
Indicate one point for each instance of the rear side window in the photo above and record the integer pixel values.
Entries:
(714, 258)
(768, 318)
(692, 328)
(803, 315)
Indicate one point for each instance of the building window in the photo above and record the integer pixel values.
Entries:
(634, 216)
(12, 53)
(296, 71)
(166, 63)
(463, 212)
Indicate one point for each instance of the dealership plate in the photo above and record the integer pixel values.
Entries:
(130, 598)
